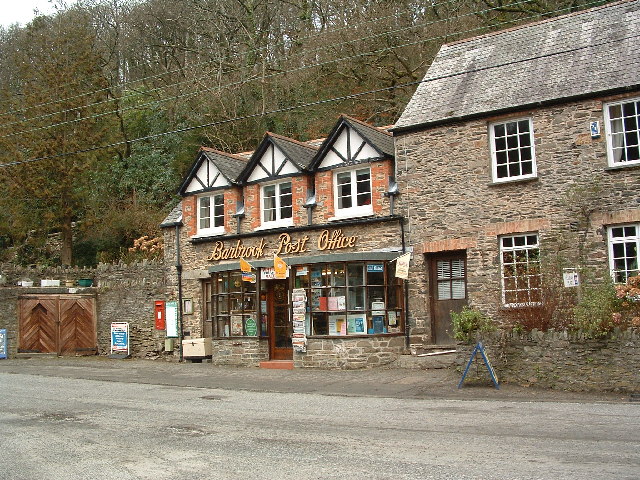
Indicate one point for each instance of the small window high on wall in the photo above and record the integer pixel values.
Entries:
(211, 214)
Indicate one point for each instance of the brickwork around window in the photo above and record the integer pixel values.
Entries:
(451, 201)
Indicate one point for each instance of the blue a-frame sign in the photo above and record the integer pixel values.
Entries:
(479, 348)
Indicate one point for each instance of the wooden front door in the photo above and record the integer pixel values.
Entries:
(279, 320)
(65, 325)
(448, 292)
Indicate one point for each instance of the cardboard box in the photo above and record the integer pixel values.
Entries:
(196, 347)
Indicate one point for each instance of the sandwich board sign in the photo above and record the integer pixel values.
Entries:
(480, 349)
(3, 343)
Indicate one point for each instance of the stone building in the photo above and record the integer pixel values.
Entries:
(286, 254)
(518, 149)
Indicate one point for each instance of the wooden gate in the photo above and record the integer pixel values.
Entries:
(62, 324)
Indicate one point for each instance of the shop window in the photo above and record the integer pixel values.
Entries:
(354, 298)
(234, 304)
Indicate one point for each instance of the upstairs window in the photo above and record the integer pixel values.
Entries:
(512, 150)
(623, 132)
(277, 205)
(211, 214)
(353, 192)
(520, 265)
(624, 245)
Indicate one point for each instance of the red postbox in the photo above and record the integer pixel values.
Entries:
(161, 323)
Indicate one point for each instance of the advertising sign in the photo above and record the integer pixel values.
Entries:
(3, 343)
(171, 309)
(120, 337)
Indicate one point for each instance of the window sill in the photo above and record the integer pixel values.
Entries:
(208, 234)
(512, 181)
(347, 216)
(622, 166)
(356, 335)
(273, 226)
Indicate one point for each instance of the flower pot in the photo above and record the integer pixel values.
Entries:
(85, 282)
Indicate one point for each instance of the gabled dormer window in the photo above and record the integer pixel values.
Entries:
(211, 214)
(277, 205)
(352, 192)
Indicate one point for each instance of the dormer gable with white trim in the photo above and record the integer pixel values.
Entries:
(212, 170)
(273, 163)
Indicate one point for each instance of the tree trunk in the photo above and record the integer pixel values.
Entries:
(66, 251)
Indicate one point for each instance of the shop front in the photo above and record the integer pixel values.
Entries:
(329, 304)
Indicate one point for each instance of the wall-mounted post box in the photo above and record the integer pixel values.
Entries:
(160, 319)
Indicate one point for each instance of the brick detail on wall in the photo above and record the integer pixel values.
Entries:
(616, 218)
(251, 207)
(190, 214)
(519, 226)
(324, 195)
(447, 245)
(380, 172)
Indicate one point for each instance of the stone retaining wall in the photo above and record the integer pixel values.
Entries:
(124, 293)
(561, 360)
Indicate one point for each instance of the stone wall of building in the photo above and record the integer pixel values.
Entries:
(124, 293)
(350, 353)
(241, 352)
(560, 360)
(451, 202)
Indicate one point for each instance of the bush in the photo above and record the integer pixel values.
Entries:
(598, 311)
(470, 322)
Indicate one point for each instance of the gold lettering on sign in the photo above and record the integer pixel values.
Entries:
(286, 246)
(335, 240)
(237, 251)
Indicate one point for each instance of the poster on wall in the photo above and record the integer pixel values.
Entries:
(171, 309)
(120, 337)
(299, 337)
(3, 343)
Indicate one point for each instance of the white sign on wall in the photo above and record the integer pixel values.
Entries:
(571, 277)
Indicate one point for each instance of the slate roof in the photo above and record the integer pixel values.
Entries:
(299, 153)
(378, 138)
(576, 55)
(174, 218)
(229, 165)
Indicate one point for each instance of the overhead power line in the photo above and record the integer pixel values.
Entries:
(312, 104)
(273, 75)
(214, 60)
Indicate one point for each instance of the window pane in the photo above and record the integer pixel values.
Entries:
(355, 273)
(205, 212)
(444, 290)
(269, 203)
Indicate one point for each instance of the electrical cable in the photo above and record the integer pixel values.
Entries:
(311, 104)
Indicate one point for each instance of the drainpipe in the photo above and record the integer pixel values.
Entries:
(405, 285)
(179, 271)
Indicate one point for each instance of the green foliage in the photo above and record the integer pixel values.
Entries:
(595, 313)
(469, 323)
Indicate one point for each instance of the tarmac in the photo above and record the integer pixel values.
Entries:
(390, 382)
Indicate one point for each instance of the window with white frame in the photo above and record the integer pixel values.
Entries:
(512, 150)
(624, 244)
(352, 191)
(211, 214)
(520, 266)
(277, 204)
(623, 132)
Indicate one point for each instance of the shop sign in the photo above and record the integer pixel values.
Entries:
(251, 327)
(286, 245)
(375, 268)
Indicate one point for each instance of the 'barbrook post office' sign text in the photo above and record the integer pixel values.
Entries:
(328, 240)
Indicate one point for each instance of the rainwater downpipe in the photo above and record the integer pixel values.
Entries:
(179, 272)
(405, 284)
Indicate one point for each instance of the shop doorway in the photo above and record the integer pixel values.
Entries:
(447, 291)
(279, 321)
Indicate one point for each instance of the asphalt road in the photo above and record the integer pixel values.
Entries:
(59, 427)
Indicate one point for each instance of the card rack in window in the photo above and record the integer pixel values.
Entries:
(624, 247)
(512, 150)
(520, 263)
(623, 138)
(354, 298)
(234, 302)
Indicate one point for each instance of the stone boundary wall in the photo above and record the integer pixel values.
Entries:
(124, 293)
(561, 360)
(350, 353)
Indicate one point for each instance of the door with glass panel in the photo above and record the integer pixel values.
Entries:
(280, 325)
(448, 292)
